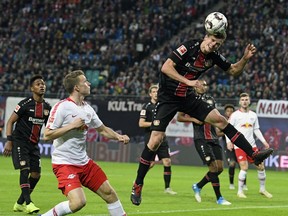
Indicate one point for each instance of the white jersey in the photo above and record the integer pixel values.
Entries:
(71, 147)
(246, 123)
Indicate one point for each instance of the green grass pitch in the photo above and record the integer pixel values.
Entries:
(154, 202)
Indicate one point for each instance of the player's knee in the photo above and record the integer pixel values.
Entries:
(76, 204)
(35, 175)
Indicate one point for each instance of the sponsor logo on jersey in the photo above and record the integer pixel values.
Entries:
(156, 122)
(46, 112)
(247, 125)
(208, 63)
(22, 163)
(182, 50)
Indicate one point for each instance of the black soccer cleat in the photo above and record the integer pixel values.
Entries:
(136, 194)
(260, 156)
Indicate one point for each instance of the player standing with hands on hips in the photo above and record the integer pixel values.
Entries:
(29, 115)
(178, 76)
(67, 127)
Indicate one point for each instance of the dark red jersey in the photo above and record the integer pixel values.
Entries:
(190, 63)
(32, 116)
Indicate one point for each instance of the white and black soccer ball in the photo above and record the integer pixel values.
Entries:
(216, 22)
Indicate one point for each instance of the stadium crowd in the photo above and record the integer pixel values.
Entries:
(121, 44)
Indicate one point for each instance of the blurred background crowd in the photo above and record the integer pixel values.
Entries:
(121, 44)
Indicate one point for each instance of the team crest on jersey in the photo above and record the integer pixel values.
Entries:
(156, 122)
(208, 63)
(22, 163)
(182, 50)
(46, 112)
(17, 108)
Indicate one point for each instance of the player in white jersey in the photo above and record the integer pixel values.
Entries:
(246, 122)
(67, 126)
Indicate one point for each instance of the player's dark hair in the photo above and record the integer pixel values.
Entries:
(35, 77)
(72, 79)
(229, 106)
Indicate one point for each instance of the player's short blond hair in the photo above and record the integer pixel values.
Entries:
(152, 87)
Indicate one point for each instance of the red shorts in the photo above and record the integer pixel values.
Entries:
(72, 176)
(242, 156)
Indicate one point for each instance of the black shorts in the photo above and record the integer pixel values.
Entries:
(208, 150)
(167, 106)
(230, 156)
(163, 150)
(26, 154)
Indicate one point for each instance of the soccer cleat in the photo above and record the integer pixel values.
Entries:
(19, 207)
(136, 194)
(245, 187)
(222, 201)
(170, 191)
(31, 208)
(197, 191)
(231, 187)
(266, 194)
(260, 156)
(241, 195)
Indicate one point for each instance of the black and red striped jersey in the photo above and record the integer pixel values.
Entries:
(205, 131)
(190, 63)
(32, 116)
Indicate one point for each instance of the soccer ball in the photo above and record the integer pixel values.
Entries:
(216, 22)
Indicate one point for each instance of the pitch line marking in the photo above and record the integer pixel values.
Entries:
(197, 210)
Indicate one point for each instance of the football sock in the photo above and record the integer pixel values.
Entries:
(231, 172)
(238, 139)
(167, 176)
(25, 187)
(144, 164)
(262, 179)
(204, 181)
(116, 208)
(241, 178)
(33, 182)
(214, 179)
(60, 209)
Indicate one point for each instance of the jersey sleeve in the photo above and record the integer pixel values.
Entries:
(221, 61)
(56, 116)
(19, 109)
(180, 52)
(95, 121)
(143, 111)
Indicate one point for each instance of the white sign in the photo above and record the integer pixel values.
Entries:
(272, 109)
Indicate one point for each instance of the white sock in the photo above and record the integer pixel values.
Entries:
(116, 209)
(262, 179)
(241, 179)
(59, 210)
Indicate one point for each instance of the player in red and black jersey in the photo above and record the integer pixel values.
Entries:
(208, 147)
(29, 115)
(145, 121)
(179, 74)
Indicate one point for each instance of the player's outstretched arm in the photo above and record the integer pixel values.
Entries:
(237, 68)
